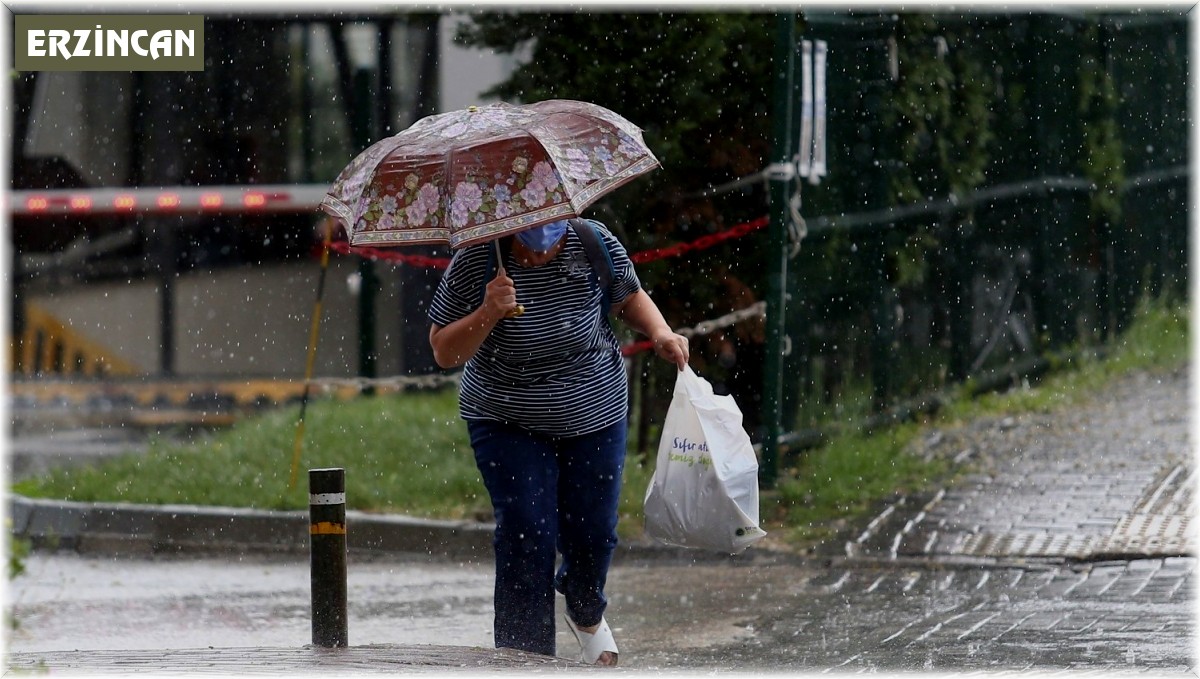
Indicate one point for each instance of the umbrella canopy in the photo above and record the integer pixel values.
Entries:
(477, 174)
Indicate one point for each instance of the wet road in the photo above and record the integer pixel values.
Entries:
(765, 614)
(1058, 549)
(82, 602)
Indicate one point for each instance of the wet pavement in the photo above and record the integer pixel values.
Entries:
(1065, 545)
(1131, 616)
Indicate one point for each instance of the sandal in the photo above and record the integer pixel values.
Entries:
(594, 644)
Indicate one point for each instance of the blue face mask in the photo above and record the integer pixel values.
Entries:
(542, 238)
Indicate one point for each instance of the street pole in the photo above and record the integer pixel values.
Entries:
(327, 548)
(364, 130)
(781, 174)
(165, 246)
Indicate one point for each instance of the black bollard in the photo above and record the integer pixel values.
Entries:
(327, 542)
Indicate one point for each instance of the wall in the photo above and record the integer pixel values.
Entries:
(238, 322)
(467, 72)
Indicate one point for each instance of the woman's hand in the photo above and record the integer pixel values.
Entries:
(456, 343)
(642, 314)
(671, 347)
(500, 297)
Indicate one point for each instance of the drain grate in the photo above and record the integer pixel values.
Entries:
(1029, 544)
(1160, 522)
(1150, 535)
(1157, 526)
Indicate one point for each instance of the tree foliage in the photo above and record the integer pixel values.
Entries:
(1102, 159)
(697, 83)
(940, 109)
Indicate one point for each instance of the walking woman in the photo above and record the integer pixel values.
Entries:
(545, 400)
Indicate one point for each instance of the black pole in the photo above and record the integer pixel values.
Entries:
(165, 238)
(327, 540)
(780, 183)
(363, 128)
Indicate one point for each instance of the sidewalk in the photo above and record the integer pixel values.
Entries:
(1094, 503)
(1111, 479)
(372, 659)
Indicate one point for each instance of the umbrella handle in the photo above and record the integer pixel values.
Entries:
(520, 308)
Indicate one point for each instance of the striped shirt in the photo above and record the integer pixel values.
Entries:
(557, 369)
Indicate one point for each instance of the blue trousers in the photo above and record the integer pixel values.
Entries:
(549, 494)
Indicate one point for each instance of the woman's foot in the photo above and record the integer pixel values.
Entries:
(596, 643)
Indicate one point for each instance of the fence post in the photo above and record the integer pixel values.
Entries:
(780, 180)
(959, 292)
(327, 540)
(364, 130)
(882, 321)
(163, 236)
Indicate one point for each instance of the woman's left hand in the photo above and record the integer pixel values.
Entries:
(672, 347)
(642, 314)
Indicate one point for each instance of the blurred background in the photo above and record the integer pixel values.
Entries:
(856, 210)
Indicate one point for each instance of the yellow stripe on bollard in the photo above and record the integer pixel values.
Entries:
(327, 528)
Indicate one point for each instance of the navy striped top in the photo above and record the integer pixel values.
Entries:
(557, 369)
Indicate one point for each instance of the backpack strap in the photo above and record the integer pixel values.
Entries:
(598, 256)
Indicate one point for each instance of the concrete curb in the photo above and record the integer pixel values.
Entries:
(152, 529)
(126, 529)
(130, 529)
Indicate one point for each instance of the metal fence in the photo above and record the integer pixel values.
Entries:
(888, 303)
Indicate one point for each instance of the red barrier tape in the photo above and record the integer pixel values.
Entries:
(701, 243)
(636, 347)
(385, 255)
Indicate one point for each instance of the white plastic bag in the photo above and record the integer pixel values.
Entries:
(704, 492)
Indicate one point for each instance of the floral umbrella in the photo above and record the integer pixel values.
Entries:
(473, 175)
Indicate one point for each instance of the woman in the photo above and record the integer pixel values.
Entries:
(545, 400)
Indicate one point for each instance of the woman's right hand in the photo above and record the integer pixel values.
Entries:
(500, 297)
(456, 343)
